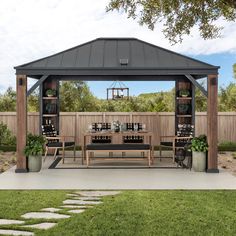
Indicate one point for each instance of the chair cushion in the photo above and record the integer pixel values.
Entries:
(59, 144)
(118, 146)
(169, 144)
(101, 140)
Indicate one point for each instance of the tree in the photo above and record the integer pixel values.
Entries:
(180, 16)
(76, 96)
(8, 100)
(227, 98)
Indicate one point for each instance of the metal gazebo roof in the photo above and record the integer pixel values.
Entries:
(116, 57)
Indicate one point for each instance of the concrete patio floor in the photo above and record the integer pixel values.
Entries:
(144, 178)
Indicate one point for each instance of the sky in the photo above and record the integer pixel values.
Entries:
(32, 29)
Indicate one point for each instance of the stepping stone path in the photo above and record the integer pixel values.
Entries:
(15, 232)
(72, 195)
(77, 203)
(76, 211)
(97, 193)
(45, 225)
(87, 198)
(76, 206)
(51, 209)
(11, 222)
(44, 215)
(81, 202)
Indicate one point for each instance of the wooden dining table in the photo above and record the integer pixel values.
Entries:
(148, 138)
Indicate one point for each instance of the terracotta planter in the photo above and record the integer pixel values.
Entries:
(34, 163)
(199, 161)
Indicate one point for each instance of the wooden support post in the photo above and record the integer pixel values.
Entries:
(21, 108)
(212, 132)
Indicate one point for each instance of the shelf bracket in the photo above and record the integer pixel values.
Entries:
(196, 84)
(39, 82)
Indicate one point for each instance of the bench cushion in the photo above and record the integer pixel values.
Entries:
(118, 146)
(168, 144)
(59, 144)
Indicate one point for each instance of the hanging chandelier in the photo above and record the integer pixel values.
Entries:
(118, 90)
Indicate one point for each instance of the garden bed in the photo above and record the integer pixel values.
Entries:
(227, 161)
(7, 160)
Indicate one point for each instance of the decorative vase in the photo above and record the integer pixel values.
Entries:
(34, 163)
(199, 161)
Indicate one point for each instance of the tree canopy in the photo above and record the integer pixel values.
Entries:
(180, 16)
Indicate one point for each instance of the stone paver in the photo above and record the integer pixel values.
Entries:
(76, 211)
(15, 232)
(11, 222)
(72, 195)
(81, 202)
(76, 206)
(45, 225)
(97, 193)
(51, 209)
(44, 215)
(88, 198)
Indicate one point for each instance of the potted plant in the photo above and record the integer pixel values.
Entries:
(199, 148)
(184, 93)
(51, 92)
(33, 150)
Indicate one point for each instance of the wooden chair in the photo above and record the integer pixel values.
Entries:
(56, 142)
(133, 139)
(184, 136)
(101, 139)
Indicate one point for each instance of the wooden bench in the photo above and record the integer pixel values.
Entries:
(118, 147)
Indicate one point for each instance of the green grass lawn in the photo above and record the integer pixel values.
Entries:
(134, 213)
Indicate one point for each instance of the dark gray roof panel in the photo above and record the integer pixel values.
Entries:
(105, 53)
(69, 58)
(54, 61)
(96, 54)
(83, 56)
(137, 54)
(110, 53)
(123, 52)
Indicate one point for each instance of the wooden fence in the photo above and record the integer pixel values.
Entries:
(161, 123)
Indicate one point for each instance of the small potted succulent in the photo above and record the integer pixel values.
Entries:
(116, 126)
(51, 92)
(183, 108)
(33, 150)
(199, 148)
(184, 93)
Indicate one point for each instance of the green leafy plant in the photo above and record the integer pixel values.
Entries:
(34, 145)
(6, 136)
(51, 92)
(184, 93)
(199, 144)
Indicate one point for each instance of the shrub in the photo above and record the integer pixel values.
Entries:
(199, 144)
(35, 145)
(227, 146)
(6, 136)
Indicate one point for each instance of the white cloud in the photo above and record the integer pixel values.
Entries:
(31, 29)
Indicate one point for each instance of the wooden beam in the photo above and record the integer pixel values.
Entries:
(39, 82)
(196, 84)
(212, 131)
(21, 123)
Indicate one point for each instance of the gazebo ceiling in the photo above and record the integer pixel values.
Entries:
(117, 57)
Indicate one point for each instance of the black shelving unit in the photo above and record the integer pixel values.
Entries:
(184, 111)
(49, 105)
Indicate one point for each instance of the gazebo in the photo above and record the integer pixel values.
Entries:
(103, 60)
